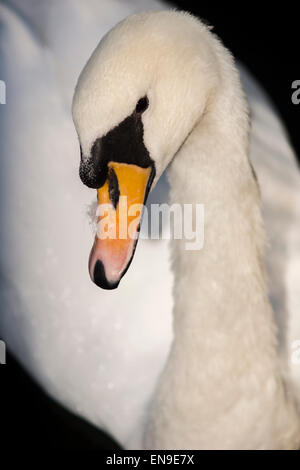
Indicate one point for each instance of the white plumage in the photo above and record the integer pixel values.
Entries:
(99, 353)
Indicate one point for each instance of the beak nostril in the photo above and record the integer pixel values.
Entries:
(113, 187)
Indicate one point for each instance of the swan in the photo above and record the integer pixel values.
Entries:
(147, 99)
(80, 343)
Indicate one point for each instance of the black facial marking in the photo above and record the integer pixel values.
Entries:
(123, 144)
(93, 171)
(113, 187)
(142, 105)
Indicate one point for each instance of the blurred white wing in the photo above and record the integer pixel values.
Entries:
(279, 178)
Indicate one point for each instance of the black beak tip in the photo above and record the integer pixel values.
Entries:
(100, 278)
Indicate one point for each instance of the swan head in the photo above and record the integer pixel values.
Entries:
(139, 96)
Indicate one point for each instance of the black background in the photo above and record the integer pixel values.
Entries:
(265, 39)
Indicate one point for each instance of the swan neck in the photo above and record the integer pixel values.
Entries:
(220, 288)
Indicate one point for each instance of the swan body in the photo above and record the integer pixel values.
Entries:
(101, 353)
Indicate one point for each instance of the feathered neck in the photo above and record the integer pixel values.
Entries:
(222, 373)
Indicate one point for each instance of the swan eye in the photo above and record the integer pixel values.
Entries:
(142, 105)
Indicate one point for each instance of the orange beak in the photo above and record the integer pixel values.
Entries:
(119, 211)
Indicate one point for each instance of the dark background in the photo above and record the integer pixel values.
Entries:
(265, 39)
